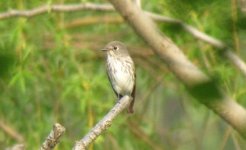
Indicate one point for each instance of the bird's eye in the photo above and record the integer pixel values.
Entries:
(115, 48)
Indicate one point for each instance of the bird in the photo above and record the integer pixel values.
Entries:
(121, 71)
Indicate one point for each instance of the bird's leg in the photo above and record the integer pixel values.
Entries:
(118, 96)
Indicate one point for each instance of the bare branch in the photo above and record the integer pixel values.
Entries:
(201, 86)
(232, 57)
(55, 8)
(138, 3)
(103, 124)
(193, 31)
(236, 60)
(16, 147)
(243, 6)
(53, 138)
(11, 131)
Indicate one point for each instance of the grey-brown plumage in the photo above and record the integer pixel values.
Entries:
(121, 71)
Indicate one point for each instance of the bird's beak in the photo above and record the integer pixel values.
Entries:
(104, 49)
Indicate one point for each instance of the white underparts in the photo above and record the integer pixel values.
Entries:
(121, 77)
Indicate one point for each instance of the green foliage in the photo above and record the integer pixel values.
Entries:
(50, 72)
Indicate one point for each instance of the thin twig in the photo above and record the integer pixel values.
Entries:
(16, 147)
(228, 52)
(53, 138)
(11, 131)
(190, 29)
(103, 124)
(55, 8)
(236, 60)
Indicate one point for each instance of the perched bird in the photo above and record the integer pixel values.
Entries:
(121, 71)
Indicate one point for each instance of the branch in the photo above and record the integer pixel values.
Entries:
(243, 6)
(103, 124)
(55, 8)
(228, 52)
(138, 3)
(200, 85)
(53, 138)
(11, 131)
(193, 31)
(17, 147)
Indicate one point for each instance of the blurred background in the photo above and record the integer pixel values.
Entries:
(52, 70)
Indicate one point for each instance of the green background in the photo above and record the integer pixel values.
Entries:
(52, 70)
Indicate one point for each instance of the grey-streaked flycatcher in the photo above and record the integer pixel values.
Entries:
(121, 71)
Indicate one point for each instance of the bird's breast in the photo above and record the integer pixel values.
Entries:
(121, 74)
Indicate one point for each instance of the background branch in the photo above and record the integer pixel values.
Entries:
(55, 8)
(16, 147)
(11, 131)
(103, 124)
(228, 52)
(201, 86)
(53, 138)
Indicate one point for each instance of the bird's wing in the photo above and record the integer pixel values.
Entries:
(130, 108)
(118, 96)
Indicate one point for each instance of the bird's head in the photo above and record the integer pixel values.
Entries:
(116, 48)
